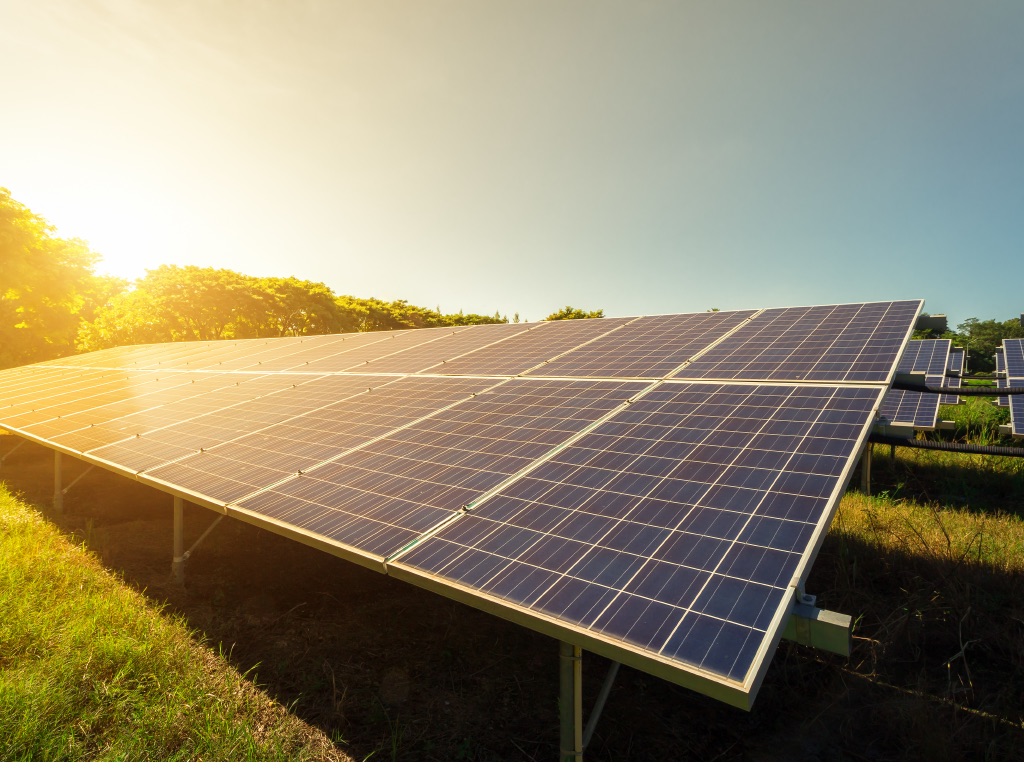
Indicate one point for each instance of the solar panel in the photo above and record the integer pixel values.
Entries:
(677, 526)
(196, 423)
(382, 496)
(649, 347)
(525, 351)
(954, 376)
(919, 409)
(844, 343)
(435, 353)
(651, 488)
(1013, 358)
(347, 416)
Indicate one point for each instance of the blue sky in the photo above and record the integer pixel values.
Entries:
(640, 157)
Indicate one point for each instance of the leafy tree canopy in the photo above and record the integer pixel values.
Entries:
(981, 338)
(46, 286)
(572, 313)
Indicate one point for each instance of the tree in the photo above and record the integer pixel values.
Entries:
(572, 313)
(46, 285)
(174, 303)
(981, 338)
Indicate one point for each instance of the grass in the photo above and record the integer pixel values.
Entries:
(89, 670)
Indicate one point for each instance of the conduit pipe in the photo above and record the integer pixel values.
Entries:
(938, 445)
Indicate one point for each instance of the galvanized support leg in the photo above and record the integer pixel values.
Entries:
(602, 697)
(865, 470)
(58, 484)
(6, 455)
(570, 701)
(178, 563)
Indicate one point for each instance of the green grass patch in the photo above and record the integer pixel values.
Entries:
(90, 670)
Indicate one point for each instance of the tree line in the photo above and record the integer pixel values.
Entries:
(52, 302)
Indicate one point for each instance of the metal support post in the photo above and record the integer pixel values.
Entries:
(602, 697)
(570, 701)
(178, 563)
(58, 484)
(72, 484)
(6, 455)
(865, 470)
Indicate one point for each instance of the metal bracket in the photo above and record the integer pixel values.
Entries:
(913, 379)
(817, 628)
(188, 552)
(71, 485)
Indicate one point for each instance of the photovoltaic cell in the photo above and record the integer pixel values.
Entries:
(424, 356)
(842, 343)
(649, 347)
(520, 353)
(676, 526)
(381, 497)
(352, 416)
(199, 422)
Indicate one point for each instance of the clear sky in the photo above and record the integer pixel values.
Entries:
(512, 155)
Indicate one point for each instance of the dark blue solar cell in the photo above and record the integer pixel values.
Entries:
(635, 538)
(738, 601)
(701, 552)
(657, 512)
(574, 600)
(790, 507)
(673, 584)
(553, 553)
(584, 527)
(767, 566)
(606, 567)
(722, 524)
(646, 623)
(522, 583)
(780, 534)
(744, 500)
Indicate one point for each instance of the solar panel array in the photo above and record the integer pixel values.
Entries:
(652, 488)
(1013, 358)
(954, 375)
(919, 409)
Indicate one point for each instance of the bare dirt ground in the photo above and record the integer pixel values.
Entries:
(392, 672)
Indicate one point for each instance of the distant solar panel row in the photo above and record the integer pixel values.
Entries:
(1013, 352)
(654, 487)
(954, 376)
(919, 409)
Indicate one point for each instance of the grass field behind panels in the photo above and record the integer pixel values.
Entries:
(89, 670)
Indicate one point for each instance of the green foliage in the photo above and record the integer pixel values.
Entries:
(981, 338)
(572, 313)
(174, 303)
(46, 286)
